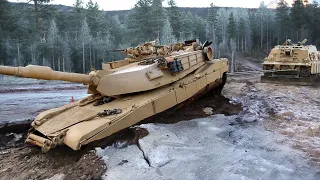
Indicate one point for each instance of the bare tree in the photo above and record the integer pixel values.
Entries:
(233, 48)
(53, 40)
(85, 38)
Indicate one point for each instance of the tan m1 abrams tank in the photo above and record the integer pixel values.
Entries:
(124, 92)
(292, 64)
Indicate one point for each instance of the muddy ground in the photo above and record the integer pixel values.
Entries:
(20, 161)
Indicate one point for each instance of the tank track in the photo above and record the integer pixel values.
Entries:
(289, 80)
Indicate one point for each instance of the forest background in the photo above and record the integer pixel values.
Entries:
(74, 39)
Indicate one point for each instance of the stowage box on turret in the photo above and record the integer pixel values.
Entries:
(151, 80)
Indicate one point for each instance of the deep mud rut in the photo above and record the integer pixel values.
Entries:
(19, 161)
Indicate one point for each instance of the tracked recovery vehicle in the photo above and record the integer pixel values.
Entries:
(292, 64)
(152, 80)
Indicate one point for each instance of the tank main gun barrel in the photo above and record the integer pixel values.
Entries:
(45, 73)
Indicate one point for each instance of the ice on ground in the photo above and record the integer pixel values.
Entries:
(57, 177)
(290, 110)
(26, 105)
(126, 163)
(208, 148)
(23, 98)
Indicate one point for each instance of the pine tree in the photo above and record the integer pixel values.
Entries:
(211, 23)
(95, 18)
(138, 23)
(75, 17)
(21, 42)
(166, 36)
(231, 27)
(175, 18)
(297, 15)
(36, 9)
(157, 19)
(115, 30)
(8, 28)
(7, 19)
(312, 20)
(200, 28)
(283, 21)
(99, 47)
(188, 27)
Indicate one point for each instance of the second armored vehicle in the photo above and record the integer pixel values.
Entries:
(152, 80)
(292, 63)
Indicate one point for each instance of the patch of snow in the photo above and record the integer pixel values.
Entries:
(4, 152)
(16, 106)
(126, 163)
(17, 137)
(204, 149)
(120, 145)
(208, 110)
(290, 110)
(57, 177)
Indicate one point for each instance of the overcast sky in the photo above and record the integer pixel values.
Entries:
(128, 4)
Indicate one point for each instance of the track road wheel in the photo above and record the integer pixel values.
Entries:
(305, 71)
(267, 68)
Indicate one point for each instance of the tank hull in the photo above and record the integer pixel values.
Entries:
(78, 124)
(292, 64)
